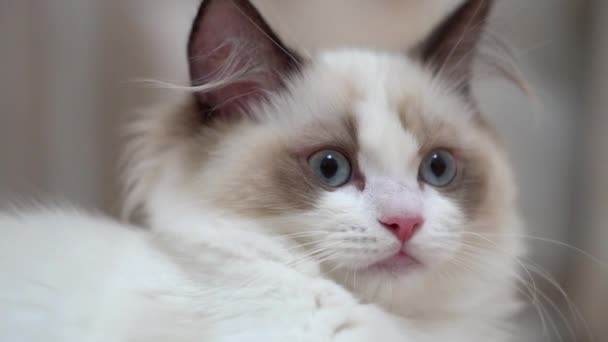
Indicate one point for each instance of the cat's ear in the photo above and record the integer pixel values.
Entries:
(452, 47)
(234, 57)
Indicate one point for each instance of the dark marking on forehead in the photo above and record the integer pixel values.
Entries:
(297, 185)
(471, 187)
(280, 180)
(411, 118)
(358, 177)
(338, 132)
(350, 124)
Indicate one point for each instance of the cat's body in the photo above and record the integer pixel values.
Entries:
(371, 169)
(66, 276)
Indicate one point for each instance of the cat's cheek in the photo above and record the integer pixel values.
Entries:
(440, 238)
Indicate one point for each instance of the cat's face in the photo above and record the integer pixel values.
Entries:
(367, 162)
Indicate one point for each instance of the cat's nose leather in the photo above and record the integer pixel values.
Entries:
(403, 226)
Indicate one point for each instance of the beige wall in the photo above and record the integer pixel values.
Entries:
(589, 280)
(20, 133)
(49, 100)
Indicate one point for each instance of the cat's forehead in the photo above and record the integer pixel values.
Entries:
(396, 106)
(393, 81)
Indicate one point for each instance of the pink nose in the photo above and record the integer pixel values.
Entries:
(403, 227)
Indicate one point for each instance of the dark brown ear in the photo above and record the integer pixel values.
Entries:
(234, 57)
(452, 47)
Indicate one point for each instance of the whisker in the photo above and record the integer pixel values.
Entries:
(305, 244)
(289, 54)
(311, 255)
(534, 267)
(597, 261)
(468, 27)
(530, 293)
(530, 266)
(298, 234)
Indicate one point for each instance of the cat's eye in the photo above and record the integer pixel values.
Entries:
(438, 168)
(332, 167)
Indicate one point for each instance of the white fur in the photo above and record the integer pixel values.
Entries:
(65, 276)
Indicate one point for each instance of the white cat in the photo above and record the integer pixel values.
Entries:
(372, 169)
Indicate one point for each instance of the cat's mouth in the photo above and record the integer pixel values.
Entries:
(397, 262)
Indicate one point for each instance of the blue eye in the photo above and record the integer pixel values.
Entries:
(438, 168)
(332, 167)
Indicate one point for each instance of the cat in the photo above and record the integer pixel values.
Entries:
(252, 147)
(349, 196)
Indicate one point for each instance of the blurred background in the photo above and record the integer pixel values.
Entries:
(68, 71)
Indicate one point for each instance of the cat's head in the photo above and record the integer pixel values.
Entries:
(380, 165)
